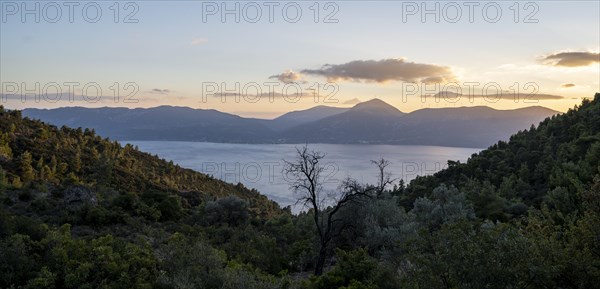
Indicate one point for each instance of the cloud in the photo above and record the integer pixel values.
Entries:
(160, 91)
(198, 41)
(352, 101)
(572, 59)
(384, 70)
(287, 77)
(433, 80)
(505, 95)
(265, 95)
(292, 94)
(66, 98)
(567, 85)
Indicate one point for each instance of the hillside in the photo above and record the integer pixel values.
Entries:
(63, 156)
(79, 211)
(544, 165)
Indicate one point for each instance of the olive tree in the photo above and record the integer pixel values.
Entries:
(306, 175)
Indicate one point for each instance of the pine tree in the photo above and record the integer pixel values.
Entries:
(3, 181)
(46, 173)
(27, 173)
(76, 164)
(40, 168)
(95, 154)
(53, 165)
(5, 150)
(16, 182)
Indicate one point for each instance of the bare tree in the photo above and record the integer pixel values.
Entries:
(305, 177)
(384, 178)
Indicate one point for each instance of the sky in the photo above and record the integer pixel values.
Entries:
(283, 56)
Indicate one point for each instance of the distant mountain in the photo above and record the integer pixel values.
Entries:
(373, 121)
(376, 106)
(158, 123)
(366, 122)
(377, 122)
(478, 126)
(299, 117)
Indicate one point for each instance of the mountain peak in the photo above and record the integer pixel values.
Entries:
(376, 105)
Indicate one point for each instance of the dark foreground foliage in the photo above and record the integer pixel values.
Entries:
(79, 211)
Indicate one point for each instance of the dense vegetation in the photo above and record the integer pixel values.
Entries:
(79, 211)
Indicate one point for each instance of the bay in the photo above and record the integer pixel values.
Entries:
(259, 166)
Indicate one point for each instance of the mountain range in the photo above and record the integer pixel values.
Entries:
(370, 122)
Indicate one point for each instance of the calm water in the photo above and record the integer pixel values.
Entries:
(259, 166)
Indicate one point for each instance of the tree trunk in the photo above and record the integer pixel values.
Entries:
(321, 260)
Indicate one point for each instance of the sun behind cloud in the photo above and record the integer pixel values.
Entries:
(198, 41)
(381, 71)
(572, 59)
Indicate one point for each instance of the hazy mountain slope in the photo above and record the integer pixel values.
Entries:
(295, 118)
(468, 126)
(366, 122)
(158, 123)
(373, 121)
(377, 122)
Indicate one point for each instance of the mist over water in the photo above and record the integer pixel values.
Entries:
(259, 166)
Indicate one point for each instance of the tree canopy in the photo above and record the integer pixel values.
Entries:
(80, 211)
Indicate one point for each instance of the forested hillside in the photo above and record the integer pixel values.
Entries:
(79, 211)
(546, 166)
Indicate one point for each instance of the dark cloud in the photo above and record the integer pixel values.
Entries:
(384, 70)
(352, 101)
(288, 77)
(65, 98)
(572, 59)
(433, 80)
(567, 85)
(504, 95)
(291, 94)
(160, 91)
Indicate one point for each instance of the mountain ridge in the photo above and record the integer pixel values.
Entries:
(373, 121)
